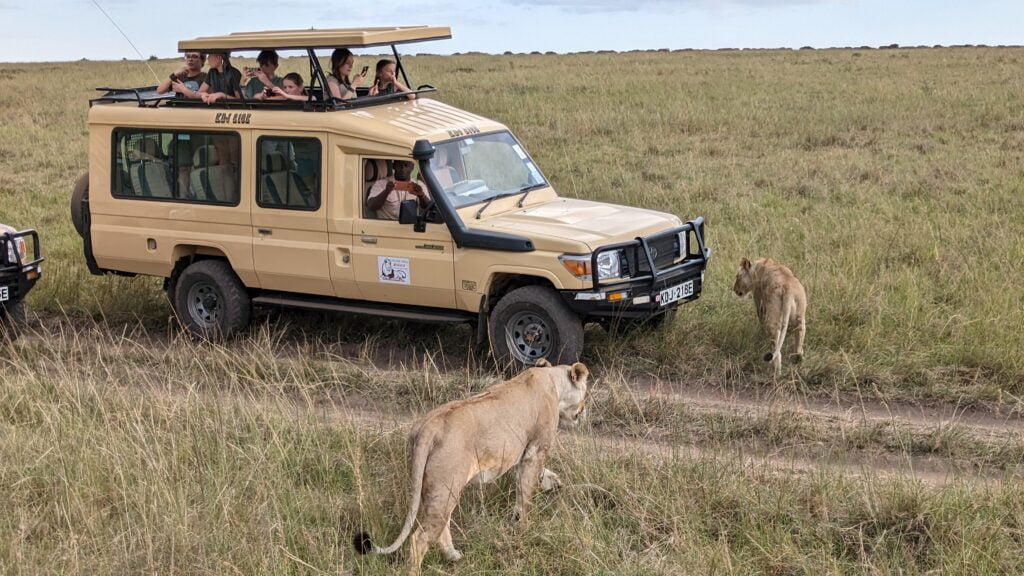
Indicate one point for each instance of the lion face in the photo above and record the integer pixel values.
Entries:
(744, 279)
(572, 402)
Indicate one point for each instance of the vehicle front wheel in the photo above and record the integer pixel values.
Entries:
(210, 300)
(531, 323)
(12, 318)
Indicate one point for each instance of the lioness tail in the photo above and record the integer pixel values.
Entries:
(361, 540)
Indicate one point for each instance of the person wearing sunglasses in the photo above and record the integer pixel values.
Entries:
(187, 79)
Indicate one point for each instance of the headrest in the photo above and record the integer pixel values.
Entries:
(205, 156)
(374, 170)
(147, 148)
(275, 162)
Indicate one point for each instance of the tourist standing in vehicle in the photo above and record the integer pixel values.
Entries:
(386, 81)
(263, 77)
(338, 81)
(386, 195)
(222, 79)
(290, 89)
(187, 79)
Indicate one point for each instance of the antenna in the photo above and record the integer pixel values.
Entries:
(141, 57)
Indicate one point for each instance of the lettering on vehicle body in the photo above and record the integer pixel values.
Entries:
(463, 131)
(232, 118)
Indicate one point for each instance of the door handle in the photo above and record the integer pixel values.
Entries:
(368, 240)
(265, 231)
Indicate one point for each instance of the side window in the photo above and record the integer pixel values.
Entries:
(288, 176)
(176, 166)
(376, 174)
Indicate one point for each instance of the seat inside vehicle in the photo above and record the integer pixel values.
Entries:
(281, 186)
(148, 170)
(373, 169)
(210, 180)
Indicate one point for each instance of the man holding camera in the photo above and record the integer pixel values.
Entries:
(187, 79)
(386, 195)
(263, 78)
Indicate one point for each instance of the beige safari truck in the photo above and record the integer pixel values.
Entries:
(244, 204)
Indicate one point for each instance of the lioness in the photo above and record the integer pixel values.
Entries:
(779, 298)
(478, 439)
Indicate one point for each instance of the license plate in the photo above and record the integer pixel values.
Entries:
(677, 292)
(5, 293)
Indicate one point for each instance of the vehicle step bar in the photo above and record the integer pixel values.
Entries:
(414, 313)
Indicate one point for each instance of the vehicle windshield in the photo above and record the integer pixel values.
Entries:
(481, 167)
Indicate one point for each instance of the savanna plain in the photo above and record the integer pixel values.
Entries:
(890, 181)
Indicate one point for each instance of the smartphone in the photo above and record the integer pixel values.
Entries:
(268, 92)
(173, 77)
(403, 185)
(365, 68)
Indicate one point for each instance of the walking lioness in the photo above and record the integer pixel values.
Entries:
(780, 298)
(478, 439)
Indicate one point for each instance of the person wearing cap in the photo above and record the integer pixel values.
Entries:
(187, 79)
(222, 79)
(263, 77)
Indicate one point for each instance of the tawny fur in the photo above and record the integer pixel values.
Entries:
(780, 300)
(511, 424)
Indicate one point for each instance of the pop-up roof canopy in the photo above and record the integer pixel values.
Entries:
(313, 38)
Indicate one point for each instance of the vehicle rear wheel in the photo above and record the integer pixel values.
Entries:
(13, 316)
(80, 192)
(210, 300)
(531, 323)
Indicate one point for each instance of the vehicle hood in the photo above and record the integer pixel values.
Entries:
(592, 223)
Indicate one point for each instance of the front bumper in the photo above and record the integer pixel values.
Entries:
(18, 277)
(640, 296)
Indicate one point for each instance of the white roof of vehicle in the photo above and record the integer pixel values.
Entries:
(314, 38)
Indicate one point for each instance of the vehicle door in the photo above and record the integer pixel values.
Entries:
(394, 263)
(289, 217)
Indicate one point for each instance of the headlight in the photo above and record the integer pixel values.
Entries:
(22, 250)
(683, 248)
(609, 265)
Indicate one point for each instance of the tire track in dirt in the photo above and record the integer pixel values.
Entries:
(931, 470)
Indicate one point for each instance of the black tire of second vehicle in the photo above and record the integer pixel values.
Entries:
(567, 337)
(12, 318)
(233, 303)
(80, 192)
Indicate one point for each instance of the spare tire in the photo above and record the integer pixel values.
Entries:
(81, 192)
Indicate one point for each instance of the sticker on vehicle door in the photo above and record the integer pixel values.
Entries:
(393, 270)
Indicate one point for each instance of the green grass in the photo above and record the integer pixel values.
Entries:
(123, 455)
(889, 181)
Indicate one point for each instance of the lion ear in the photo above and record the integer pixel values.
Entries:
(542, 363)
(745, 264)
(579, 373)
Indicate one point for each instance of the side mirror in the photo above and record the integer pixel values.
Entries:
(408, 212)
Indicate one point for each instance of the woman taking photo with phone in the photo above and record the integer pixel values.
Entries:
(341, 67)
(386, 81)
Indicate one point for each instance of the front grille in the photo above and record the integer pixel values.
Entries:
(665, 251)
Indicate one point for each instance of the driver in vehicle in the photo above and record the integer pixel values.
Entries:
(387, 194)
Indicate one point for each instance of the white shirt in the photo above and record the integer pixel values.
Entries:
(389, 210)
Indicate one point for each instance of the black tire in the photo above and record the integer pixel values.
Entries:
(531, 323)
(80, 192)
(210, 300)
(13, 317)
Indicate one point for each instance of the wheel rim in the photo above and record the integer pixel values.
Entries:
(204, 304)
(528, 336)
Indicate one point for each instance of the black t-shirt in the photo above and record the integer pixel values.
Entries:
(228, 82)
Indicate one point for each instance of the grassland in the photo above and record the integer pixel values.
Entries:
(890, 181)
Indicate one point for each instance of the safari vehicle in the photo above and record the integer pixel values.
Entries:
(249, 203)
(18, 274)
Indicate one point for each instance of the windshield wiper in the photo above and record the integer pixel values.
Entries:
(492, 199)
(527, 189)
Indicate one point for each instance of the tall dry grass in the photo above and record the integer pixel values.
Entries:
(889, 181)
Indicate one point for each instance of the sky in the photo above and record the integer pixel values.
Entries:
(46, 30)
